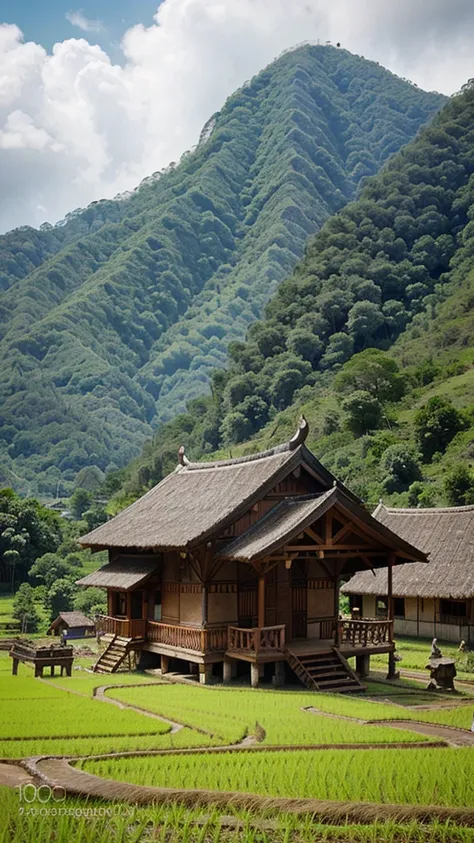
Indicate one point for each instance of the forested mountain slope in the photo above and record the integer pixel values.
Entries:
(392, 271)
(115, 319)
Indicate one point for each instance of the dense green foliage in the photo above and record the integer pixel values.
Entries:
(27, 530)
(115, 319)
(392, 270)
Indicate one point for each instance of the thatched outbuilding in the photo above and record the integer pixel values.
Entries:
(72, 625)
(429, 600)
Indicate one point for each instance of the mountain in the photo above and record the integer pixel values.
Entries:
(114, 320)
(372, 336)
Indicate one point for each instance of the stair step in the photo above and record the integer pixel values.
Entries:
(333, 674)
(331, 682)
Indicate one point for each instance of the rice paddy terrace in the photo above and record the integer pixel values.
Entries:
(146, 759)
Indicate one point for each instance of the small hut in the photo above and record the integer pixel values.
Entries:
(435, 600)
(73, 625)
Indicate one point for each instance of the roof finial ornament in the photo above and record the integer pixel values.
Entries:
(182, 458)
(301, 433)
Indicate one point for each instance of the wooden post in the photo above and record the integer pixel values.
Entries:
(391, 661)
(129, 604)
(229, 670)
(336, 611)
(164, 664)
(205, 673)
(15, 667)
(279, 676)
(204, 605)
(391, 560)
(261, 601)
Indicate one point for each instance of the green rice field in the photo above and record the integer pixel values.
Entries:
(101, 822)
(442, 777)
(61, 716)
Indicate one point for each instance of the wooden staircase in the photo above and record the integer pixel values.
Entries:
(116, 651)
(325, 671)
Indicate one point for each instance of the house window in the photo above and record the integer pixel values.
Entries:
(381, 607)
(355, 602)
(120, 603)
(399, 607)
(453, 609)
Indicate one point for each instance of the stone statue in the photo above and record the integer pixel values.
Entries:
(435, 651)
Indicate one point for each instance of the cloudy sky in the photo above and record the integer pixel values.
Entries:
(94, 98)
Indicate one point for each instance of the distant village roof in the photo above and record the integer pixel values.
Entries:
(447, 535)
(122, 574)
(198, 499)
(72, 620)
(290, 517)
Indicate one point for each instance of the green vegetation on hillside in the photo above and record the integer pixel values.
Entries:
(371, 337)
(114, 320)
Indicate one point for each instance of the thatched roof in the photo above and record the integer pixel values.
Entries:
(199, 499)
(447, 535)
(122, 574)
(290, 517)
(72, 620)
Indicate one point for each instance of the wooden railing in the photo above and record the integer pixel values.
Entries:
(327, 627)
(365, 633)
(257, 639)
(188, 638)
(125, 627)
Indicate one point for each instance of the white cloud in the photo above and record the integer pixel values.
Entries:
(74, 127)
(79, 19)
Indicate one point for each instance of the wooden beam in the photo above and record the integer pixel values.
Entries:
(292, 548)
(328, 529)
(314, 535)
(342, 532)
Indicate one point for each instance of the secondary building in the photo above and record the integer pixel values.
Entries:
(435, 600)
(236, 565)
(73, 625)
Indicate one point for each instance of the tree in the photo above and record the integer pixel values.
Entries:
(60, 597)
(90, 478)
(24, 608)
(52, 566)
(400, 468)
(338, 350)
(27, 530)
(436, 424)
(95, 516)
(420, 495)
(283, 387)
(364, 412)
(363, 321)
(79, 502)
(235, 428)
(91, 601)
(459, 486)
(372, 371)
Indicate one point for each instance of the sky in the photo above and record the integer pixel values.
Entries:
(95, 97)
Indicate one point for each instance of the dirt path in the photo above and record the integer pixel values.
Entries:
(13, 775)
(452, 735)
(54, 771)
(99, 694)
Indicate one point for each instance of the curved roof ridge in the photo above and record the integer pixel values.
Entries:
(295, 442)
(428, 509)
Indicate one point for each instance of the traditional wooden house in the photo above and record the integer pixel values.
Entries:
(73, 625)
(429, 600)
(238, 563)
